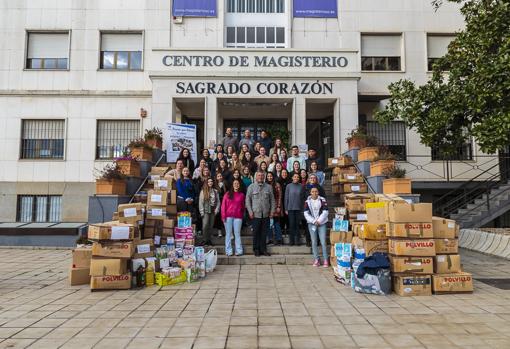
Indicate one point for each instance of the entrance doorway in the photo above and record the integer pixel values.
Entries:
(319, 127)
(255, 127)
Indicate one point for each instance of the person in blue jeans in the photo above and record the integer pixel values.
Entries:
(232, 211)
(294, 194)
(316, 214)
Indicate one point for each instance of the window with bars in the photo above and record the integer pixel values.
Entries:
(462, 153)
(42, 139)
(255, 6)
(47, 50)
(267, 37)
(381, 52)
(39, 208)
(113, 136)
(392, 135)
(121, 51)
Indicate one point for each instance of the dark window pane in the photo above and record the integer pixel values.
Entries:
(379, 63)
(270, 35)
(269, 6)
(122, 60)
(231, 35)
(250, 8)
(34, 63)
(280, 6)
(261, 35)
(62, 63)
(280, 35)
(231, 6)
(260, 6)
(394, 63)
(50, 63)
(241, 38)
(135, 60)
(250, 35)
(108, 60)
(366, 63)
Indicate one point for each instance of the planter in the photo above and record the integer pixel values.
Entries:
(397, 186)
(377, 168)
(367, 154)
(155, 143)
(141, 153)
(110, 187)
(129, 167)
(357, 143)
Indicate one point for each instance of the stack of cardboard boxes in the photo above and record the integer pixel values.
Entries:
(370, 235)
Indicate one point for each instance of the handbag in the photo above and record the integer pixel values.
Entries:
(211, 258)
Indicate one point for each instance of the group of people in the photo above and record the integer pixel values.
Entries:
(256, 183)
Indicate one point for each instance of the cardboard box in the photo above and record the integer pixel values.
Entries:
(447, 246)
(111, 282)
(402, 212)
(171, 209)
(339, 171)
(163, 184)
(409, 247)
(340, 236)
(376, 212)
(357, 202)
(355, 188)
(172, 197)
(113, 249)
(130, 213)
(412, 265)
(158, 170)
(81, 257)
(143, 248)
(79, 276)
(410, 230)
(111, 231)
(352, 178)
(444, 228)
(370, 231)
(157, 198)
(412, 285)
(340, 161)
(169, 223)
(108, 266)
(371, 246)
(156, 212)
(447, 264)
(452, 283)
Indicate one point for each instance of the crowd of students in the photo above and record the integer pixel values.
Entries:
(254, 183)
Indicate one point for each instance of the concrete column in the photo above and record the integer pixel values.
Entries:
(211, 120)
(348, 110)
(299, 121)
(337, 138)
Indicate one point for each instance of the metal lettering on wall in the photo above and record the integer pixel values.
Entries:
(262, 88)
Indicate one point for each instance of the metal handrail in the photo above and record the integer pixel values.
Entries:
(486, 203)
(146, 178)
(365, 179)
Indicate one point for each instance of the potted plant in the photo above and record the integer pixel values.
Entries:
(110, 181)
(154, 137)
(383, 161)
(357, 138)
(370, 151)
(128, 166)
(397, 183)
(140, 150)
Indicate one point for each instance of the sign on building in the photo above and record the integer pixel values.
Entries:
(315, 8)
(194, 8)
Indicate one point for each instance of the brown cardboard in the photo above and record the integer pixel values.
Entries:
(412, 265)
(130, 213)
(81, 257)
(111, 282)
(172, 197)
(79, 276)
(156, 212)
(171, 209)
(410, 230)
(340, 161)
(370, 231)
(168, 223)
(402, 212)
(340, 236)
(108, 266)
(447, 264)
(376, 212)
(412, 247)
(387, 198)
(158, 170)
(339, 171)
(352, 178)
(444, 228)
(452, 283)
(111, 231)
(157, 198)
(447, 246)
(371, 246)
(412, 285)
(143, 248)
(355, 188)
(357, 202)
(113, 249)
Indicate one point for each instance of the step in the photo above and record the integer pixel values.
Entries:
(248, 240)
(306, 259)
(274, 250)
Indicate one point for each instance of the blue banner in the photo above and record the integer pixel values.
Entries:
(316, 8)
(194, 8)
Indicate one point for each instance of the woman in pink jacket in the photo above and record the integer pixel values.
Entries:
(232, 211)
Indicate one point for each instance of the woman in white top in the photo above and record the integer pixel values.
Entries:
(316, 214)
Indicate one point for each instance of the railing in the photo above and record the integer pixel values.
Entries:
(146, 179)
(487, 202)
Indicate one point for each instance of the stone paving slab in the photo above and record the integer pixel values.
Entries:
(243, 306)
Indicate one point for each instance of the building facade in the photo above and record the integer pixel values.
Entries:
(75, 75)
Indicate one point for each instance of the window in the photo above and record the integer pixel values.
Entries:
(121, 51)
(255, 6)
(48, 51)
(42, 139)
(391, 135)
(39, 208)
(381, 52)
(437, 47)
(113, 136)
(462, 153)
(267, 37)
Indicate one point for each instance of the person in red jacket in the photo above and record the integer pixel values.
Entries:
(232, 212)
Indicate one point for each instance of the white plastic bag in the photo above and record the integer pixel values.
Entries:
(211, 258)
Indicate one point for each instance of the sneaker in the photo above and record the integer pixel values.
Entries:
(325, 264)
(220, 234)
(316, 263)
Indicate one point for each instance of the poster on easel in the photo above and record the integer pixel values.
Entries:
(178, 137)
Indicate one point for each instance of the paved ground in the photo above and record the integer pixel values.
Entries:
(262, 306)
